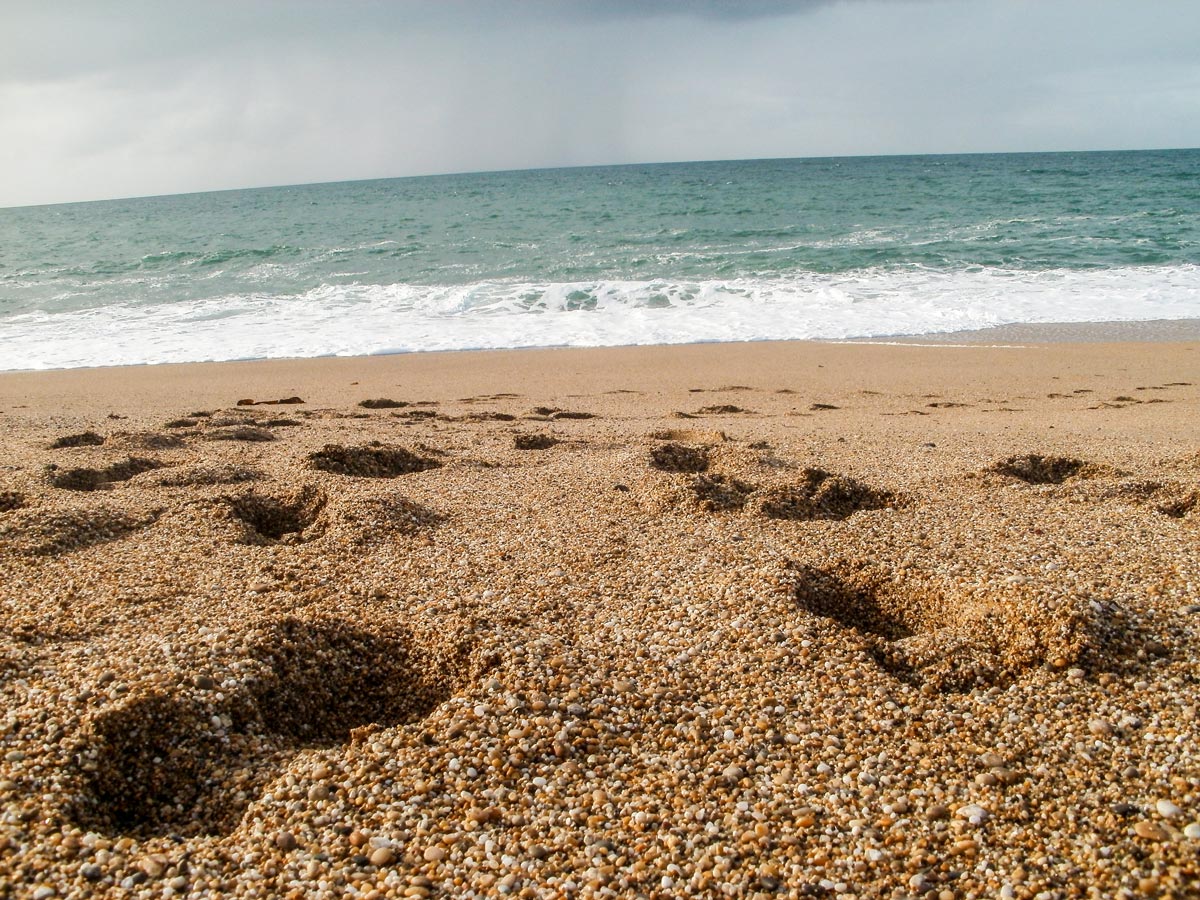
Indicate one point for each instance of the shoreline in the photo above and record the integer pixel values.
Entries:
(827, 367)
(1156, 331)
(784, 618)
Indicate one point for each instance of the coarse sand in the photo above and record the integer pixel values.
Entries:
(731, 620)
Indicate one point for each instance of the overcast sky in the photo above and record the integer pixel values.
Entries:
(124, 98)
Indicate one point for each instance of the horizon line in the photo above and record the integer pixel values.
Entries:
(680, 162)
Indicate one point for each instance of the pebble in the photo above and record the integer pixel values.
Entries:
(973, 813)
(1100, 727)
(1168, 810)
(1192, 831)
(383, 856)
(434, 854)
(285, 841)
(937, 812)
(154, 866)
(1151, 831)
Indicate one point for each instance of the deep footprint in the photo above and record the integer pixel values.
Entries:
(1033, 468)
(370, 462)
(1180, 507)
(36, 533)
(290, 518)
(86, 439)
(191, 763)
(99, 479)
(721, 493)
(534, 441)
(823, 495)
(247, 433)
(673, 457)
(926, 637)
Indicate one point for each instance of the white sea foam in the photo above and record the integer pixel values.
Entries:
(358, 319)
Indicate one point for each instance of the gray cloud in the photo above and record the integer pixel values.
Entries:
(139, 97)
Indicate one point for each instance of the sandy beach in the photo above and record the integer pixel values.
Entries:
(754, 620)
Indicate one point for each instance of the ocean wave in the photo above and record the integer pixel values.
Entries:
(364, 319)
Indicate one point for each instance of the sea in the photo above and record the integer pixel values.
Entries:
(751, 250)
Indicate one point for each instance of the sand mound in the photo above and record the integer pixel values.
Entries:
(947, 640)
(291, 518)
(673, 457)
(1033, 468)
(98, 479)
(823, 495)
(369, 462)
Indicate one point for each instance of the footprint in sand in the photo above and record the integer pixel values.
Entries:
(84, 439)
(947, 639)
(369, 461)
(721, 493)
(823, 495)
(534, 441)
(190, 762)
(33, 532)
(291, 518)
(1033, 468)
(246, 433)
(85, 479)
(674, 457)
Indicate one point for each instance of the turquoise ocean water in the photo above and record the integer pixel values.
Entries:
(641, 254)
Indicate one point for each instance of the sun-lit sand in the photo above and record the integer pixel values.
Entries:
(748, 620)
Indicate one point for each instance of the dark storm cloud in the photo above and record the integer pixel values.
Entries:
(145, 96)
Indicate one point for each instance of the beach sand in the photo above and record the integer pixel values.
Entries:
(771, 620)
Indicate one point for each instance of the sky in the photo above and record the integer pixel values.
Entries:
(141, 97)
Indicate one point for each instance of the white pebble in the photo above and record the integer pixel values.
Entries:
(1168, 810)
(973, 813)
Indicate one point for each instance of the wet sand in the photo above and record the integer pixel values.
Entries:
(727, 620)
